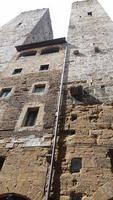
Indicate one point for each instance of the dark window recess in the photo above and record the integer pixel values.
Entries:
(44, 67)
(110, 154)
(28, 53)
(39, 89)
(5, 92)
(89, 13)
(50, 50)
(102, 86)
(97, 50)
(30, 117)
(2, 159)
(12, 196)
(76, 52)
(76, 165)
(17, 71)
(76, 197)
(19, 24)
(76, 91)
(73, 116)
(70, 132)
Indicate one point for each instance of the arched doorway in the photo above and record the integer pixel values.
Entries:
(13, 196)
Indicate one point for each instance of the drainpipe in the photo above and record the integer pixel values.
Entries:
(56, 131)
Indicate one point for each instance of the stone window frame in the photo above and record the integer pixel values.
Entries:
(39, 83)
(10, 94)
(39, 120)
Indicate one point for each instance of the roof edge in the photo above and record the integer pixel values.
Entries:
(41, 44)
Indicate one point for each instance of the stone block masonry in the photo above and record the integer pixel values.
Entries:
(26, 149)
(86, 133)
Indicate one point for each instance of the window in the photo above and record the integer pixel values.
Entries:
(28, 53)
(44, 67)
(76, 165)
(39, 89)
(76, 197)
(5, 92)
(2, 159)
(17, 71)
(110, 154)
(30, 117)
(50, 50)
(89, 13)
(97, 50)
(12, 196)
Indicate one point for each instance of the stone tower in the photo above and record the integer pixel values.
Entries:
(85, 148)
(28, 27)
(30, 89)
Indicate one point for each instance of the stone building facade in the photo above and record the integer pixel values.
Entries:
(56, 107)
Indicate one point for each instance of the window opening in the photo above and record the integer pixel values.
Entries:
(39, 89)
(5, 92)
(50, 50)
(76, 165)
(89, 13)
(76, 197)
(17, 71)
(28, 53)
(30, 117)
(110, 154)
(13, 196)
(2, 159)
(44, 67)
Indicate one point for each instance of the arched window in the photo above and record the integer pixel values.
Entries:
(13, 196)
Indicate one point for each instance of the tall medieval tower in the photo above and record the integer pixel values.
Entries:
(85, 147)
(56, 107)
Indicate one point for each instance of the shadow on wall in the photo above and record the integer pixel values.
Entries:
(83, 95)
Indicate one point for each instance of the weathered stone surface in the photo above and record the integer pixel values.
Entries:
(26, 148)
(88, 95)
(18, 32)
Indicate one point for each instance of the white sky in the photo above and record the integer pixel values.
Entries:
(59, 10)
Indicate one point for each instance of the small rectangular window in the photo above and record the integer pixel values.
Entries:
(110, 154)
(39, 89)
(50, 50)
(44, 67)
(17, 71)
(89, 13)
(27, 53)
(30, 117)
(76, 197)
(2, 159)
(5, 92)
(76, 165)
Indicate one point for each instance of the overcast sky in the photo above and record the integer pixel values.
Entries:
(59, 10)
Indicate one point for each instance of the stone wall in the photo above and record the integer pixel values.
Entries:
(27, 149)
(87, 112)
